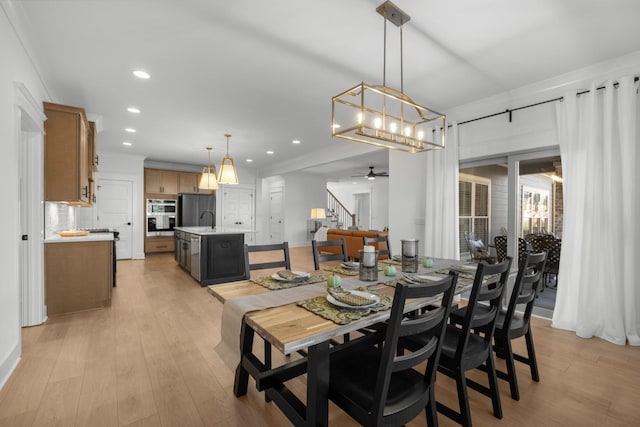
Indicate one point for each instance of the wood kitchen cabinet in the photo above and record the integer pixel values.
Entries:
(66, 151)
(78, 276)
(188, 183)
(159, 244)
(157, 181)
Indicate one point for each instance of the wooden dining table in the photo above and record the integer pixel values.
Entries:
(291, 328)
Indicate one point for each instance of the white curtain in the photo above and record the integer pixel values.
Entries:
(598, 292)
(441, 212)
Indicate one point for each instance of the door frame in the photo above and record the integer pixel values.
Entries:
(29, 143)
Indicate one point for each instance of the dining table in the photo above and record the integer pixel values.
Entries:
(299, 319)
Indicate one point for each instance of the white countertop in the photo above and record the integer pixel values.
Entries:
(91, 237)
(218, 230)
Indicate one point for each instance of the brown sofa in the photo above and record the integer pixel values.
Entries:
(354, 239)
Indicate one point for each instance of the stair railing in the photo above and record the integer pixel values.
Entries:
(338, 213)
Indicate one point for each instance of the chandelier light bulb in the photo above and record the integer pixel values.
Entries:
(360, 118)
(377, 123)
(420, 135)
(393, 127)
(407, 131)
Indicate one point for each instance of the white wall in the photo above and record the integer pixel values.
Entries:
(303, 193)
(407, 183)
(16, 67)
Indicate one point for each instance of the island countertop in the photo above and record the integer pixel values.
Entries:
(202, 231)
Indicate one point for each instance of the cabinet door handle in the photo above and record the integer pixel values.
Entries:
(97, 160)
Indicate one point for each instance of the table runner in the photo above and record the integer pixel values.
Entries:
(234, 310)
(346, 271)
(274, 285)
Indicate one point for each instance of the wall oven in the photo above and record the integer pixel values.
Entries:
(161, 217)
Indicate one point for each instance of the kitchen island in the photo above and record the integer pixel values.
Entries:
(211, 255)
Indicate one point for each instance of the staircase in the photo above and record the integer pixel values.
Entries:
(338, 213)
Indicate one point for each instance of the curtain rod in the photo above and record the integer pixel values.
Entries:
(511, 110)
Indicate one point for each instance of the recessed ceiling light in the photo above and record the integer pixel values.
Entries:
(249, 160)
(128, 144)
(130, 130)
(354, 182)
(295, 141)
(269, 152)
(133, 110)
(141, 74)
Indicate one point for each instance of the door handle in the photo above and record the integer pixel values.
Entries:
(128, 223)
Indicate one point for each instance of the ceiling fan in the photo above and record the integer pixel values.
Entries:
(372, 175)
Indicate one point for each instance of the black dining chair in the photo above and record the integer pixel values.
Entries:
(500, 242)
(279, 251)
(283, 261)
(469, 345)
(511, 325)
(381, 244)
(319, 255)
(374, 383)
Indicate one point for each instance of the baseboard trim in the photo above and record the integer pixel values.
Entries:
(9, 364)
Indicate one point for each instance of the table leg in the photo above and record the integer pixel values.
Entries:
(318, 385)
(241, 382)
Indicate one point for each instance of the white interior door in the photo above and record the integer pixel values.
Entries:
(276, 229)
(362, 202)
(237, 208)
(114, 206)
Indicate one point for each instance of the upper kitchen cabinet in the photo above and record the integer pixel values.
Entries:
(66, 151)
(160, 181)
(189, 182)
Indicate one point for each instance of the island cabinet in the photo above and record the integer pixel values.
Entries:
(66, 155)
(158, 181)
(78, 276)
(210, 257)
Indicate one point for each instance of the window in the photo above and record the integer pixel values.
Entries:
(474, 196)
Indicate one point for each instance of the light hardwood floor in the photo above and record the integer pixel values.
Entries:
(149, 360)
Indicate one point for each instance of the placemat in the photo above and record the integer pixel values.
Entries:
(274, 285)
(466, 275)
(392, 261)
(342, 316)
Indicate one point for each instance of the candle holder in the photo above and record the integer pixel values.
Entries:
(410, 256)
(368, 265)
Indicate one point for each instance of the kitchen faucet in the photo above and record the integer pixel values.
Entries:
(213, 218)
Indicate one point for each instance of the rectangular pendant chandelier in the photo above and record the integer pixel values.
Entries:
(386, 117)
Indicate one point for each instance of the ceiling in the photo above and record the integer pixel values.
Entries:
(265, 71)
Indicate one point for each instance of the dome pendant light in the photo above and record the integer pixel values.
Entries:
(208, 179)
(227, 174)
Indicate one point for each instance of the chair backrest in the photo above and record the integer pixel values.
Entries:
(281, 262)
(528, 283)
(552, 246)
(319, 256)
(483, 322)
(381, 244)
(500, 243)
(430, 323)
(523, 249)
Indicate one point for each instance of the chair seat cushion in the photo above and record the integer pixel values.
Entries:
(353, 382)
(476, 352)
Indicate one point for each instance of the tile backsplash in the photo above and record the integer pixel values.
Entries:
(57, 217)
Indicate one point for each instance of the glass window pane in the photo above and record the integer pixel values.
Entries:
(482, 200)
(481, 228)
(464, 226)
(464, 197)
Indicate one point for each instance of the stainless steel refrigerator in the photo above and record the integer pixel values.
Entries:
(191, 208)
